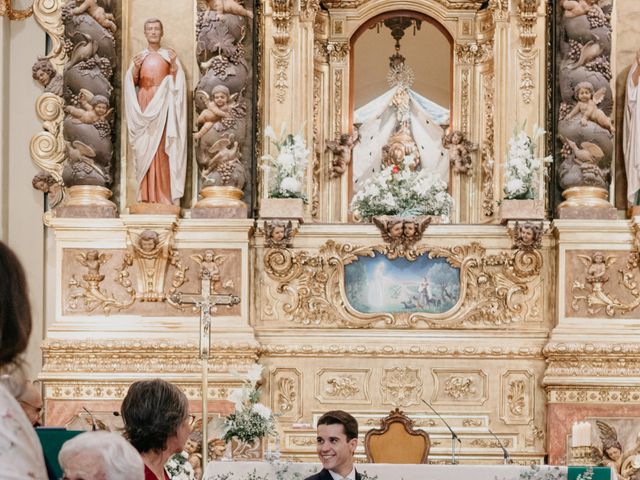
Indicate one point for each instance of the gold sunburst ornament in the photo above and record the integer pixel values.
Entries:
(6, 9)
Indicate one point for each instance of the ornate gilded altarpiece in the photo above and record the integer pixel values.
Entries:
(528, 337)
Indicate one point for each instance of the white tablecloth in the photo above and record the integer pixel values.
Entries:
(379, 471)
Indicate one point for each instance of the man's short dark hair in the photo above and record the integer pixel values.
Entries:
(340, 417)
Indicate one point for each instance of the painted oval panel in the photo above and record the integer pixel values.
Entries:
(379, 285)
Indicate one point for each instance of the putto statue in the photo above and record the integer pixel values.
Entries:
(155, 105)
(459, 150)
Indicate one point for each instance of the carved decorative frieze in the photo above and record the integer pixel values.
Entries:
(452, 4)
(309, 9)
(142, 356)
(491, 443)
(316, 164)
(401, 387)
(495, 290)
(534, 435)
(488, 152)
(592, 359)
(464, 100)
(474, 53)
(594, 395)
(410, 351)
(527, 84)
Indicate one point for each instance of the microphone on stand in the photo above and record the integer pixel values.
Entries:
(505, 453)
(94, 424)
(454, 436)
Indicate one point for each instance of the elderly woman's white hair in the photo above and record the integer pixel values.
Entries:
(119, 459)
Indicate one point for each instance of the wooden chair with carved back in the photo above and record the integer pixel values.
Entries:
(396, 441)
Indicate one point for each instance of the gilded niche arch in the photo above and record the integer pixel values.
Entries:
(470, 27)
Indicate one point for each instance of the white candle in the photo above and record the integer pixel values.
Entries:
(581, 434)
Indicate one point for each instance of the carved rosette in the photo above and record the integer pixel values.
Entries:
(495, 290)
(401, 387)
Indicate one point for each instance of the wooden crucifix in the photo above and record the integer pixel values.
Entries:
(207, 302)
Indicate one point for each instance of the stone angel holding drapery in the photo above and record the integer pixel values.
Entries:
(156, 109)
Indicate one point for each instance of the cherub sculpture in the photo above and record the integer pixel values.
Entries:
(93, 260)
(228, 6)
(98, 13)
(596, 266)
(217, 108)
(210, 262)
(527, 236)
(401, 231)
(341, 150)
(587, 106)
(575, 8)
(44, 73)
(612, 453)
(278, 234)
(95, 108)
(46, 183)
(459, 152)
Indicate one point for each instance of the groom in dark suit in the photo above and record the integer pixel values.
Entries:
(336, 443)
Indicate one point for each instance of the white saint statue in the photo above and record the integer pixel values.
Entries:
(631, 138)
(156, 109)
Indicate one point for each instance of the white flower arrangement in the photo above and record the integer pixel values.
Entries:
(251, 419)
(523, 170)
(401, 191)
(179, 468)
(286, 172)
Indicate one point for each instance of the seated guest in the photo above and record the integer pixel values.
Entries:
(31, 402)
(100, 456)
(20, 451)
(337, 440)
(156, 422)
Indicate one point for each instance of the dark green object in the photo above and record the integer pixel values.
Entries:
(599, 473)
(51, 440)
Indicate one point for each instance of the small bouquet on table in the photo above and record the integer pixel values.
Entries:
(524, 178)
(247, 428)
(284, 176)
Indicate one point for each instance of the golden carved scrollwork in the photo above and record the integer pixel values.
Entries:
(494, 289)
(6, 9)
(474, 53)
(281, 82)
(337, 52)
(516, 397)
(316, 165)
(343, 386)
(337, 102)
(308, 10)
(527, 15)
(459, 388)
(286, 394)
(488, 152)
(464, 101)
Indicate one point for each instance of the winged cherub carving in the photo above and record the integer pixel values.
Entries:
(217, 108)
(612, 453)
(98, 13)
(211, 263)
(93, 260)
(341, 150)
(587, 106)
(95, 108)
(596, 266)
(278, 234)
(401, 231)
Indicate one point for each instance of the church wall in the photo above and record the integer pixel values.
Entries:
(21, 206)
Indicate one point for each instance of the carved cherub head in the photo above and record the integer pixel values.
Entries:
(194, 443)
(43, 71)
(100, 105)
(527, 236)
(401, 230)
(148, 241)
(583, 91)
(220, 95)
(278, 234)
(43, 181)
